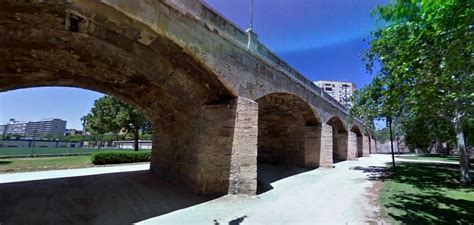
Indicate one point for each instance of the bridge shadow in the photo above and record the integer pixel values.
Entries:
(119, 198)
(269, 173)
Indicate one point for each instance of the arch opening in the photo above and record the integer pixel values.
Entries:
(53, 121)
(359, 140)
(288, 138)
(339, 139)
(182, 98)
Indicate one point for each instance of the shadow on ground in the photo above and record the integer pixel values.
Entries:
(269, 173)
(374, 173)
(119, 198)
(431, 209)
(424, 193)
(441, 199)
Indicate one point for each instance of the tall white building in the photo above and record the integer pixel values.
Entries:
(341, 91)
(47, 127)
(3, 129)
(50, 127)
(16, 127)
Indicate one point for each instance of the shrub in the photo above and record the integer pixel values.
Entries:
(113, 157)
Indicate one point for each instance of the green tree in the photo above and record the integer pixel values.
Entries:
(425, 54)
(382, 135)
(110, 115)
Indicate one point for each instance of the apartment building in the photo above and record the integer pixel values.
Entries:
(339, 90)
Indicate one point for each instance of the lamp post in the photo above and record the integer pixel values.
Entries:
(389, 125)
(250, 29)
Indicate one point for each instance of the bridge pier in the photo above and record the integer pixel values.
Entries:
(352, 147)
(340, 144)
(213, 153)
(366, 146)
(312, 146)
(326, 157)
(372, 145)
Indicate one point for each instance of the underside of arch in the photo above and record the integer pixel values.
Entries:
(194, 116)
(358, 141)
(288, 131)
(339, 139)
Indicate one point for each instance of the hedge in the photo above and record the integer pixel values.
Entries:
(113, 157)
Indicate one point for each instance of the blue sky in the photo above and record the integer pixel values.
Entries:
(322, 39)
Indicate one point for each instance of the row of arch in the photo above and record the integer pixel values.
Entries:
(191, 104)
(288, 124)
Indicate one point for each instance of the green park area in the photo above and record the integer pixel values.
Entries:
(427, 193)
(4, 152)
(432, 157)
(10, 165)
(64, 158)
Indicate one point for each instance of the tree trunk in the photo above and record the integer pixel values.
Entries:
(448, 149)
(398, 145)
(135, 137)
(463, 158)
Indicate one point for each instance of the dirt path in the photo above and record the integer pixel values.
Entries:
(322, 196)
(129, 194)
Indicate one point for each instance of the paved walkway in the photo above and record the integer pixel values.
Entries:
(129, 194)
(54, 174)
(321, 196)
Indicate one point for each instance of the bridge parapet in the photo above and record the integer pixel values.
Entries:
(236, 34)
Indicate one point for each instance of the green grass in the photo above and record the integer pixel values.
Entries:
(432, 157)
(427, 193)
(46, 163)
(52, 151)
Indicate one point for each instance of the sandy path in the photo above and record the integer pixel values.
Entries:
(321, 196)
(128, 194)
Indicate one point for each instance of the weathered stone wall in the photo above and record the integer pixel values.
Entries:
(221, 47)
(372, 146)
(189, 70)
(352, 146)
(360, 146)
(366, 146)
(326, 156)
(243, 171)
(282, 124)
(312, 146)
(340, 143)
(213, 153)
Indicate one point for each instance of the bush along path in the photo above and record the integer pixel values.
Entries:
(114, 157)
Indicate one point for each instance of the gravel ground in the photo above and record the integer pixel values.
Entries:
(322, 196)
(129, 194)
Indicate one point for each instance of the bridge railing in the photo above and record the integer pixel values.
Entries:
(236, 34)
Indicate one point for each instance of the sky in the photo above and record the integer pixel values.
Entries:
(322, 39)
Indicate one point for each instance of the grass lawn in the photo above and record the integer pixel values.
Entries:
(427, 193)
(44, 163)
(10, 151)
(432, 157)
(8, 165)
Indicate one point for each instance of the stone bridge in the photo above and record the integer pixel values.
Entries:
(220, 102)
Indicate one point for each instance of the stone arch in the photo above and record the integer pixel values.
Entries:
(339, 139)
(287, 128)
(192, 112)
(357, 141)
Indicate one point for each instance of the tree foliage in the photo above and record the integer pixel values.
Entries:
(109, 115)
(426, 76)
